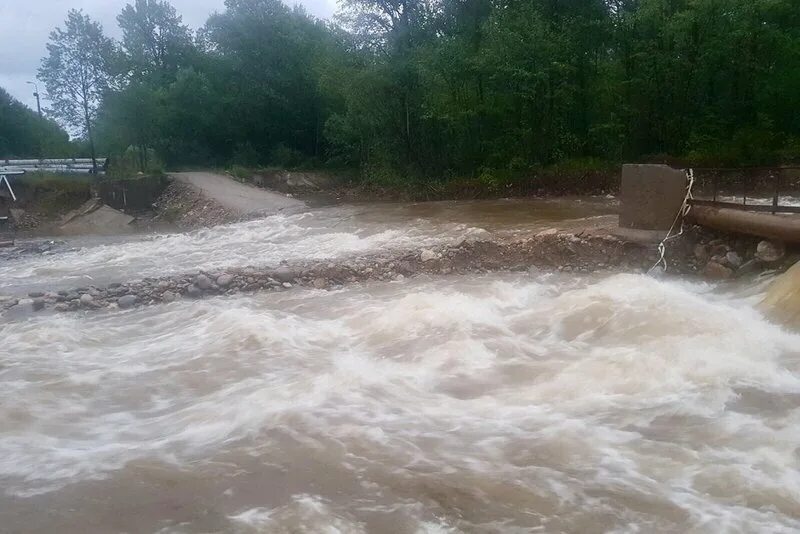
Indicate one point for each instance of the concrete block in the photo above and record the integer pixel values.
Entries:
(650, 196)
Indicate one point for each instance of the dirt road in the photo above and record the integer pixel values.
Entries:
(235, 196)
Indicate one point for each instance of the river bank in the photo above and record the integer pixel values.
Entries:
(583, 178)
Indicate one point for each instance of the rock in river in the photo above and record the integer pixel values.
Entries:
(733, 259)
(224, 280)
(283, 274)
(718, 271)
(203, 282)
(128, 301)
(427, 255)
(770, 251)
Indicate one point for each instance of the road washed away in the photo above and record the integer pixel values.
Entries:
(479, 402)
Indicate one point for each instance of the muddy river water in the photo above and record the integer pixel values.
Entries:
(525, 402)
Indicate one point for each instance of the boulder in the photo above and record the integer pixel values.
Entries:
(8, 302)
(733, 259)
(701, 252)
(203, 282)
(86, 299)
(320, 283)
(770, 251)
(127, 301)
(283, 274)
(427, 255)
(224, 280)
(194, 291)
(717, 271)
(22, 307)
(406, 267)
(720, 249)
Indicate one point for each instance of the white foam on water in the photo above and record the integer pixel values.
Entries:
(504, 402)
(321, 234)
(305, 513)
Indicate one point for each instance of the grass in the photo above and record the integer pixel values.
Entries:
(52, 194)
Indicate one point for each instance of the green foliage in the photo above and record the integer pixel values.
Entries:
(54, 194)
(76, 72)
(134, 161)
(155, 43)
(24, 135)
(418, 92)
(241, 172)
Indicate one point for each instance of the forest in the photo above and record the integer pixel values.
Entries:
(23, 133)
(434, 89)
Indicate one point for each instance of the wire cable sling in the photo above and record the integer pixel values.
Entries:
(680, 216)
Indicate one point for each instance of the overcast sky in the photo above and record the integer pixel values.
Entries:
(26, 24)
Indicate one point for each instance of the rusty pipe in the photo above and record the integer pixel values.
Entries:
(784, 228)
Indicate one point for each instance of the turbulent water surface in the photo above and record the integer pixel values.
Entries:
(493, 403)
(332, 232)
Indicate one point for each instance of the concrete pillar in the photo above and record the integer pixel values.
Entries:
(650, 196)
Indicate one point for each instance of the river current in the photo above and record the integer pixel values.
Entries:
(524, 402)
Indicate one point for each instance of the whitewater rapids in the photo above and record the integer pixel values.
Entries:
(493, 403)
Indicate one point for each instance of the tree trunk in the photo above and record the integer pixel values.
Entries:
(91, 137)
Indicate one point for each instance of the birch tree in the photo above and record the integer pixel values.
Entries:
(75, 73)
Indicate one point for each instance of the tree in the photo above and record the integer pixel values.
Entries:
(24, 134)
(75, 72)
(413, 90)
(155, 43)
(268, 57)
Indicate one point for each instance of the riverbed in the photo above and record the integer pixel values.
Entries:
(515, 402)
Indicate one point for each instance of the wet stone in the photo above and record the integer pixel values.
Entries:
(770, 251)
(193, 291)
(717, 271)
(320, 283)
(283, 274)
(733, 259)
(203, 282)
(224, 280)
(128, 301)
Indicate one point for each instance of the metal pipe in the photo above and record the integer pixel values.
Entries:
(780, 227)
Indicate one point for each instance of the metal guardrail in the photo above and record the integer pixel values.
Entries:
(64, 165)
(747, 181)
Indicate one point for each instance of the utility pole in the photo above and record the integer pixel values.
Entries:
(36, 94)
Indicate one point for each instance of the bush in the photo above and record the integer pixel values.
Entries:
(53, 194)
(132, 162)
(245, 155)
(283, 156)
(240, 172)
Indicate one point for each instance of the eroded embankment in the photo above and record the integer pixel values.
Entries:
(548, 250)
